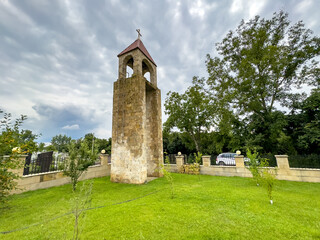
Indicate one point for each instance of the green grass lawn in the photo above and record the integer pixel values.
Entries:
(209, 208)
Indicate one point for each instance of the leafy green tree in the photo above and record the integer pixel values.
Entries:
(60, 142)
(13, 144)
(99, 143)
(303, 124)
(41, 147)
(174, 142)
(104, 144)
(191, 111)
(90, 140)
(259, 64)
(27, 137)
(78, 162)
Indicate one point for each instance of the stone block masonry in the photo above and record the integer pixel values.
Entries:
(137, 151)
(129, 158)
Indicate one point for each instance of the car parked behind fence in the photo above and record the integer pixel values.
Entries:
(228, 159)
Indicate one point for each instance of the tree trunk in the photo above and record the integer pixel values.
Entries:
(195, 141)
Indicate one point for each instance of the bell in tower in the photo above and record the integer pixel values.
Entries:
(137, 151)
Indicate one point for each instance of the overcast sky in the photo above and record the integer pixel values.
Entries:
(58, 58)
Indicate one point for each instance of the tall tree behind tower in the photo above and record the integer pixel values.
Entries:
(191, 111)
(261, 62)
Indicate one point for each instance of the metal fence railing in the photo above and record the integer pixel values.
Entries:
(43, 162)
(272, 162)
(188, 159)
(226, 159)
(48, 162)
(304, 161)
(213, 159)
(172, 158)
(52, 161)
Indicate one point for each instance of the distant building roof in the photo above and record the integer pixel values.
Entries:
(138, 44)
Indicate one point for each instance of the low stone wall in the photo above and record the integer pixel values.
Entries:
(284, 172)
(173, 168)
(228, 171)
(299, 174)
(52, 179)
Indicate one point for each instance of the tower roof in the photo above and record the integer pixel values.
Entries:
(138, 44)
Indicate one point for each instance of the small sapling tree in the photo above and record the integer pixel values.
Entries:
(197, 157)
(261, 172)
(78, 162)
(165, 169)
(80, 203)
(253, 165)
(268, 177)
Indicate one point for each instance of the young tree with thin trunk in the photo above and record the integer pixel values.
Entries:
(78, 162)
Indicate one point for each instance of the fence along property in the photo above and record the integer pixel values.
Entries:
(42, 162)
(102, 168)
(46, 162)
(32, 178)
(284, 172)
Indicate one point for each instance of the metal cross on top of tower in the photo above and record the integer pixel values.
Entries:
(139, 34)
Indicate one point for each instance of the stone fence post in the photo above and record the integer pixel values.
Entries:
(282, 162)
(20, 169)
(239, 161)
(104, 158)
(179, 161)
(206, 162)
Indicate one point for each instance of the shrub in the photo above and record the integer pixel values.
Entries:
(12, 143)
(193, 167)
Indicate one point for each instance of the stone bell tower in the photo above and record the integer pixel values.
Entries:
(136, 121)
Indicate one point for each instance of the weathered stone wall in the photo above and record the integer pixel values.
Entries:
(153, 132)
(136, 123)
(129, 152)
(137, 66)
(136, 130)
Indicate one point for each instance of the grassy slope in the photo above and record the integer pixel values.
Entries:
(212, 208)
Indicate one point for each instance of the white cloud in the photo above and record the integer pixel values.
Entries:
(249, 8)
(237, 6)
(71, 127)
(58, 67)
(303, 6)
(200, 8)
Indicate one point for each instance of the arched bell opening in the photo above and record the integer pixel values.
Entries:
(129, 66)
(147, 76)
(147, 70)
